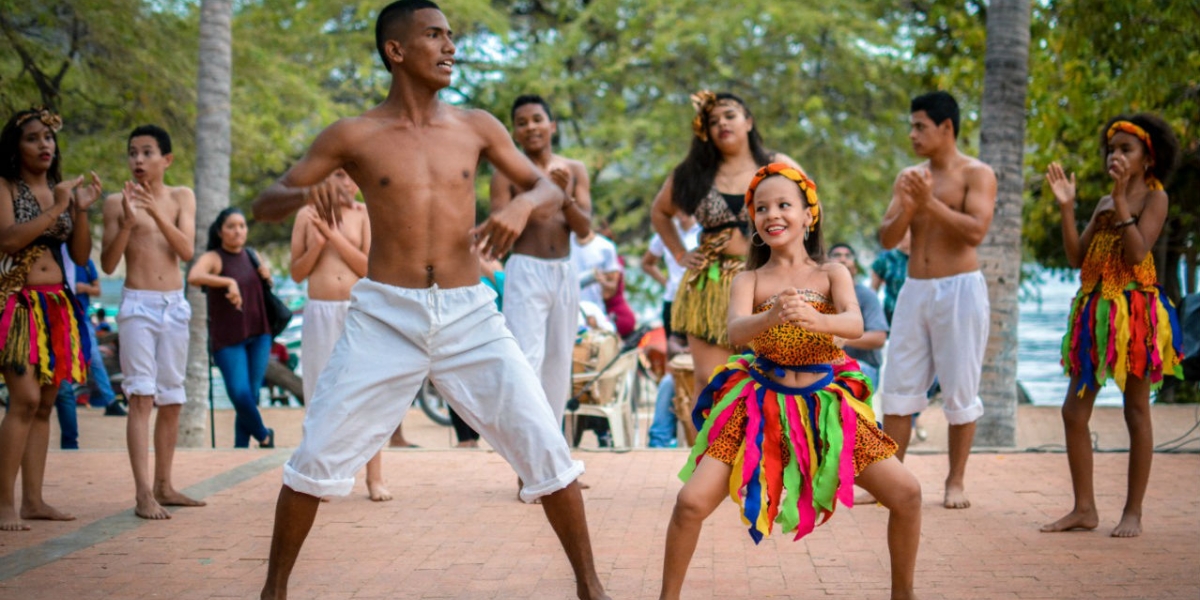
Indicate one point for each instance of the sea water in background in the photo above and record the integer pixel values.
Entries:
(1039, 352)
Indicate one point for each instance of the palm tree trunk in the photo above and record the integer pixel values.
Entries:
(1002, 145)
(212, 194)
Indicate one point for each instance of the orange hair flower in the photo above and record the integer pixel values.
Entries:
(43, 114)
(807, 186)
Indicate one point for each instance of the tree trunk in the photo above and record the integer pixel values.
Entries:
(212, 194)
(1002, 145)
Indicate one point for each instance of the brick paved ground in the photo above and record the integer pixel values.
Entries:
(455, 529)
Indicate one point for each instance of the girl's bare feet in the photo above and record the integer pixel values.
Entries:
(44, 512)
(1076, 520)
(1130, 526)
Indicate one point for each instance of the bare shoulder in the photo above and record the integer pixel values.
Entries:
(482, 121)
(835, 270)
(976, 169)
(113, 201)
(183, 195)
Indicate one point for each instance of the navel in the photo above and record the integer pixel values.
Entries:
(384, 182)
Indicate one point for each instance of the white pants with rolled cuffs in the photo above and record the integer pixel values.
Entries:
(394, 339)
(541, 306)
(152, 328)
(939, 329)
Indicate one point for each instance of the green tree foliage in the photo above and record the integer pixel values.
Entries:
(829, 85)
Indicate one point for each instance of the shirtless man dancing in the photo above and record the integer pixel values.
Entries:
(421, 311)
(153, 227)
(942, 313)
(541, 290)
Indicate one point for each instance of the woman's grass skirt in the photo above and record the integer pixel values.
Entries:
(43, 326)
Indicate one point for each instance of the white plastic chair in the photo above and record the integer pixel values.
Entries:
(611, 391)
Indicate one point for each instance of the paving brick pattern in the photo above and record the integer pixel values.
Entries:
(456, 530)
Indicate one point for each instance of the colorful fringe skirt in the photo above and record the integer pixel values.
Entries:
(1135, 334)
(43, 326)
(794, 451)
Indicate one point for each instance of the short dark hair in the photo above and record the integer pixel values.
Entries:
(159, 134)
(391, 17)
(1166, 145)
(524, 99)
(842, 245)
(939, 106)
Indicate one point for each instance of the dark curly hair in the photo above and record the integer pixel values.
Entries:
(1166, 145)
(693, 178)
(10, 152)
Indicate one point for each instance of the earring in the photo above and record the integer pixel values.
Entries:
(754, 235)
(806, 234)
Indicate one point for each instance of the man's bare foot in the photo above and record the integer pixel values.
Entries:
(1130, 526)
(377, 492)
(172, 497)
(44, 512)
(10, 522)
(1075, 520)
(467, 444)
(956, 497)
(149, 508)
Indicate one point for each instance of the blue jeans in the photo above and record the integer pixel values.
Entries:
(662, 429)
(68, 421)
(243, 367)
(102, 392)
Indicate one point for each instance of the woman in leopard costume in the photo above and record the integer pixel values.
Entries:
(43, 340)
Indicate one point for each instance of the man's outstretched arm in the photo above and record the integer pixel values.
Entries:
(307, 182)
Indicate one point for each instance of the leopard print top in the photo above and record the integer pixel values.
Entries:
(792, 345)
(14, 268)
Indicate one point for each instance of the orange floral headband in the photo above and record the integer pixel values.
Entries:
(51, 120)
(1140, 134)
(703, 101)
(807, 186)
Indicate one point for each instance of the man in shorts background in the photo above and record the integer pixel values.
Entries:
(941, 320)
(422, 310)
(152, 226)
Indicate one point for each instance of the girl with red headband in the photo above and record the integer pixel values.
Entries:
(1122, 325)
(786, 429)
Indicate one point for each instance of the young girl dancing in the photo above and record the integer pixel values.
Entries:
(785, 430)
(1122, 324)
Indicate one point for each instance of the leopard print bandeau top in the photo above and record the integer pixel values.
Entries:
(791, 345)
(26, 208)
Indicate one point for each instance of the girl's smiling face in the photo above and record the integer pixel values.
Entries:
(781, 214)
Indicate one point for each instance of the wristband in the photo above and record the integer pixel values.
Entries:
(1125, 223)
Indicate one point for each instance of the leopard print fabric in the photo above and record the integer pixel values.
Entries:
(871, 444)
(26, 208)
(792, 345)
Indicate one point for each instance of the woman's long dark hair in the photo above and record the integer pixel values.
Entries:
(760, 252)
(214, 230)
(693, 178)
(10, 149)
